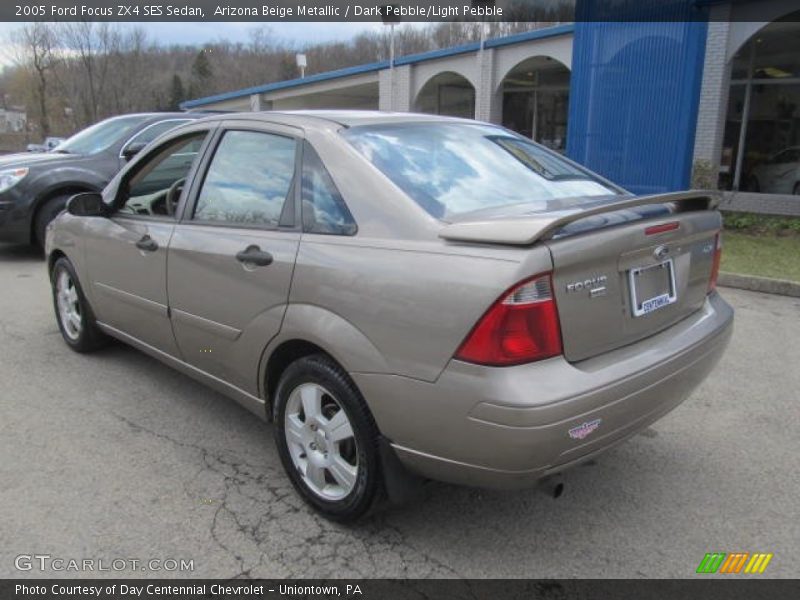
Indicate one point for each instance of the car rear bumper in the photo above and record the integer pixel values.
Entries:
(509, 427)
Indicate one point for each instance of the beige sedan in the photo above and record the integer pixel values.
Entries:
(405, 296)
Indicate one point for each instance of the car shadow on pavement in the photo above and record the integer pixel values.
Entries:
(20, 253)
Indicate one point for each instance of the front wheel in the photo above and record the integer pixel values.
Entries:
(327, 438)
(73, 313)
(48, 211)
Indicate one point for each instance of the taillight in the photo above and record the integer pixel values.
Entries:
(712, 282)
(522, 326)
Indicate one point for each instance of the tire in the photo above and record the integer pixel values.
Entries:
(48, 211)
(350, 483)
(796, 189)
(754, 186)
(73, 314)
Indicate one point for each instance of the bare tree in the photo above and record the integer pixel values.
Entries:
(34, 46)
(92, 45)
(74, 74)
(130, 76)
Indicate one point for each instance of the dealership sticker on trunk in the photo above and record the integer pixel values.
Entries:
(584, 429)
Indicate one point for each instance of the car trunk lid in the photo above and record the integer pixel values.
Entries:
(622, 271)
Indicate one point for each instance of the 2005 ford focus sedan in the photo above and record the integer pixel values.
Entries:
(405, 296)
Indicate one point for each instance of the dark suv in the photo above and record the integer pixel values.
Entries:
(35, 187)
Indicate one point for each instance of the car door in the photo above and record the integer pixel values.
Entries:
(126, 254)
(232, 255)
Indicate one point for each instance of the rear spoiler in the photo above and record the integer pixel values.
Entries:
(523, 230)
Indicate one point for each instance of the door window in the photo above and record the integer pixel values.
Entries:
(156, 187)
(148, 134)
(249, 180)
(324, 210)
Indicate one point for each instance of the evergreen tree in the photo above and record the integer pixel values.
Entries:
(177, 93)
(201, 68)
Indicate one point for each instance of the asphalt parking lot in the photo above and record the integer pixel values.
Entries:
(113, 455)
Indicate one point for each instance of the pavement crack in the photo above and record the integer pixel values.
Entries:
(266, 530)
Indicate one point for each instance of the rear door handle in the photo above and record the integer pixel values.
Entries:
(253, 255)
(147, 244)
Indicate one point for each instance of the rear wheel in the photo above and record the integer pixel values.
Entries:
(796, 190)
(73, 313)
(46, 213)
(327, 439)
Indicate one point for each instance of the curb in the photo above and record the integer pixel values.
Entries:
(759, 284)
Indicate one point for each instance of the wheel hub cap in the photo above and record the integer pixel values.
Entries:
(69, 308)
(321, 442)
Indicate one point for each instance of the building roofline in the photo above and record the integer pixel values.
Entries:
(280, 85)
(527, 36)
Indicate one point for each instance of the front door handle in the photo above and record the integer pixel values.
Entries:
(147, 244)
(253, 255)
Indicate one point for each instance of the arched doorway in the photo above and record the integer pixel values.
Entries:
(448, 94)
(535, 100)
(761, 142)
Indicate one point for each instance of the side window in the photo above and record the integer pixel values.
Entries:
(324, 210)
(148, 134)
(156, 187)
(248, 180)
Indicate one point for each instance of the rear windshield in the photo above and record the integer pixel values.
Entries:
(455, 168)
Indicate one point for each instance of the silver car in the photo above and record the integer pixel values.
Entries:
(406, 297)
(779, 174)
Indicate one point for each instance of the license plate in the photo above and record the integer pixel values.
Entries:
(652, 287)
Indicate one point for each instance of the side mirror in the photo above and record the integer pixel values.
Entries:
(132, 150)
(87, 204)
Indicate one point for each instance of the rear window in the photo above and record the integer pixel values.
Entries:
(455, 168)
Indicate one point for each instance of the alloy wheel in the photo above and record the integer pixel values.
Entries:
(69, 307)
(321, 442)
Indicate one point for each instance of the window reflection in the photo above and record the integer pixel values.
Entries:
(450, 168)
(762, 128)
(324, 210)
(248, 180)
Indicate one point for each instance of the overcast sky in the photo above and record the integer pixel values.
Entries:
(201, 33)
